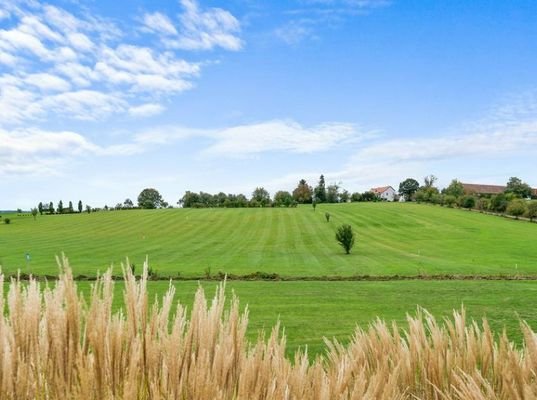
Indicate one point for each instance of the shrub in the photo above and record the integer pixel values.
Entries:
(345, 237)
(498, 203)
(450, 200)
(516, 208)
(327, 216)
(468, 202)
(7, 221)
(483, 204)
(532, 210)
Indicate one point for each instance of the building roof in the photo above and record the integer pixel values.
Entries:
(483, 189)
(382, 189)
(487, 189)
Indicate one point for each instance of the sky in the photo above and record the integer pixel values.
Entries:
(101, 99)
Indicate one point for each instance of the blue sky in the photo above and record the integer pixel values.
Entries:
(101, 99)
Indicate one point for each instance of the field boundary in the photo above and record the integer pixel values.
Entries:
(273, 277)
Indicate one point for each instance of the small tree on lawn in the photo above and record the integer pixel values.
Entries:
(34, 212)
(79, 206)
(516, 208)
(345, 237)
(327, 216)
(40, 208)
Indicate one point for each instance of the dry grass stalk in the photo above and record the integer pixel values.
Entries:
(55, 346)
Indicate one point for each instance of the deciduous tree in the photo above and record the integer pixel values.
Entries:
(408, 187)
(303, 192)
(149, 199)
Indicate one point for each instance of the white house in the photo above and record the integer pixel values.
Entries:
(386, 193)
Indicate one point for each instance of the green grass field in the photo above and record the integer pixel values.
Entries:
(310, 310)
(405, 239)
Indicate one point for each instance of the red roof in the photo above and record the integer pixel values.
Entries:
(487, 189)
(381, 189)
(483, 189)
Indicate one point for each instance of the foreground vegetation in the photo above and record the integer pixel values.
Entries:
(55, 347)
(405, 239)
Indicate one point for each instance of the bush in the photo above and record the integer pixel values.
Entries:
(327, 216)
(468, 202)
(450, 200)
(532, 210)
(516, 208)
(7, 221)
(345, 237)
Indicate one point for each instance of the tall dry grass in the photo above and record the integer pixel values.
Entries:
(53, 345)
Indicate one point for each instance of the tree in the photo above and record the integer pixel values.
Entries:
(356, 197)
(344, 196)
(332, 193)
(455, 189)
(51, 208)
(128, 203)
(428, 181)
(60, 207)
(80, 206)
(345, 237)
(320, 191)
(408, 187)
(518, 188)
(369, 196)
(88, 208)
(532, 210)
(34, 213)
(314, 205)
(71, 207)
(261, 196)
(327, 216)
(40, 208)
(516, 208)
(303, 192)
(283, 198)
(149, 199)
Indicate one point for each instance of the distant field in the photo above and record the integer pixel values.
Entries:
(405, 239)
(310, 310)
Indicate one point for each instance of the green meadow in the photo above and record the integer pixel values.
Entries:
(392, 239)
(309, 311)
(404, 239)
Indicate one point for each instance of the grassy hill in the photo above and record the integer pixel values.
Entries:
(405, 239)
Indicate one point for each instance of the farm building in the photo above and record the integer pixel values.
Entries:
(385, 193)
(487, 190)
(482, 190)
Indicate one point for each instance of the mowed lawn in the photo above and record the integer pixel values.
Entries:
(309, 311)
(405, 239)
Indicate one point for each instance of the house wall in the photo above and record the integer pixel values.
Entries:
(388, 195)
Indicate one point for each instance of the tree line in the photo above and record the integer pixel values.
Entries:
(518, 198)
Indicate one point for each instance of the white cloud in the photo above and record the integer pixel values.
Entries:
(82, 66)
(294, 32)
(146, 110)
(85, 104)
(39, 152)
(45, 81)
(206, 29)
(159, 23)
(287, 136)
